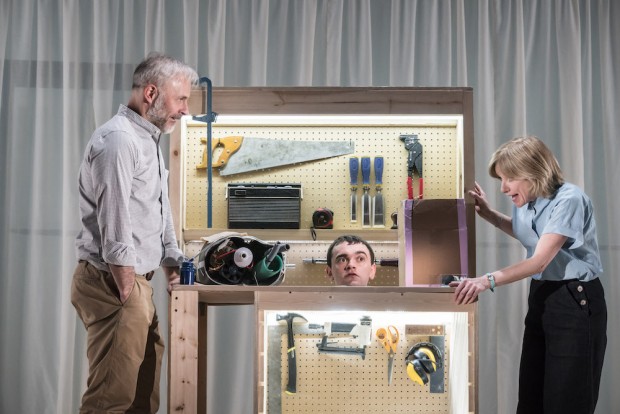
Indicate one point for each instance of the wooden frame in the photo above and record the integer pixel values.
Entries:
(190, 304)
(187, 380)
(332, 101)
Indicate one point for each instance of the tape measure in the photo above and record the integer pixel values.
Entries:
(323, 218)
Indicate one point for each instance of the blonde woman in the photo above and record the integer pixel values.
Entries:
(565, 328)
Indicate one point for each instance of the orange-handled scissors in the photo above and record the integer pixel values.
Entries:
(389, 339)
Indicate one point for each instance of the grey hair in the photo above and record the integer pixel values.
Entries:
(157, 69)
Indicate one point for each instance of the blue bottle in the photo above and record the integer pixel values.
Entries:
(188, 272)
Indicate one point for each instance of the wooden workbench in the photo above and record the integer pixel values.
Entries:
(187, 382)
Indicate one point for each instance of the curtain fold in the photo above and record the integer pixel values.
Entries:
(548, 68)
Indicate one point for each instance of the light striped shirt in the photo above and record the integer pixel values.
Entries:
(123, 196)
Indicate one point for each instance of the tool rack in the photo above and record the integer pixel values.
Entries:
(355, 391)
(373, 118)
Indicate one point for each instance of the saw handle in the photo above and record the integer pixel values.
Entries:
(230, 144)
(366, 170)
(378, 170)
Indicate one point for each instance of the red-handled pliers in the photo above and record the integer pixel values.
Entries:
(414, 163)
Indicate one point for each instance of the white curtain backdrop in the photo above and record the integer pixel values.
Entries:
(544, 67)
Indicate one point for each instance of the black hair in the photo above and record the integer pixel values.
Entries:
(349, 239)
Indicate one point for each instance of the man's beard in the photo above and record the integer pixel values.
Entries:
(157, 115)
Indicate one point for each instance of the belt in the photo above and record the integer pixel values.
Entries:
(147, 276)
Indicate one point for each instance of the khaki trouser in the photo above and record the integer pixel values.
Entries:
(124, 347)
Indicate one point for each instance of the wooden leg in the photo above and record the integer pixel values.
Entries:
(183, 352)
(202, 357)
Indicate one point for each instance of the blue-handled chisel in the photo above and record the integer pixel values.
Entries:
(354, 167)
(378, 217)
(366, 205)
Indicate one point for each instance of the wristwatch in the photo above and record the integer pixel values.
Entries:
(491, 281)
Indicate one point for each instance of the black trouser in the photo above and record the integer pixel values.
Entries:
(563, 347)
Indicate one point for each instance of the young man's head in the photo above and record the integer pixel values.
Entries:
(350, 261)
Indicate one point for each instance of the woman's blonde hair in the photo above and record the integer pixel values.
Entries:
(528, 158)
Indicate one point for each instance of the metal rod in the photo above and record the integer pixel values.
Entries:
(209, 118)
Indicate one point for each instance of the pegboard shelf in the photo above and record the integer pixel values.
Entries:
(304, 235)
(419, 313)
(373, 119)
(299, 273)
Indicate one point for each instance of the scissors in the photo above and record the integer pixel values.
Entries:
(389, 339)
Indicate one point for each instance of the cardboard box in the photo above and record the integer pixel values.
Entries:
(432, 236)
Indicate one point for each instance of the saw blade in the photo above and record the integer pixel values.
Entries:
(262, 153)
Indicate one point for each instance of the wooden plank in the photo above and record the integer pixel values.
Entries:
(469, 178)
(260, 362)
(202, 357)
(240, 294)
(425, 330)
(338, 100)
(295, 234)
(370, 301)
(473, 358)
(183, 352)
(175, 179)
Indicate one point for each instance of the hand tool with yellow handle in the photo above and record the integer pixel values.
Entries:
(244, 154)
(389, 339)
(230, 145)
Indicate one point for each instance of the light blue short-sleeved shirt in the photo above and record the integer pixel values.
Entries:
(569, 213)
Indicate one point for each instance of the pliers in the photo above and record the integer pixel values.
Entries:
(414, 163)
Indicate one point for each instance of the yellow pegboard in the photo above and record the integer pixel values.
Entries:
(326, 183)
(348, 383)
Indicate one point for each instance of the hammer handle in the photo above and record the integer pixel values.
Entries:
(291, 387)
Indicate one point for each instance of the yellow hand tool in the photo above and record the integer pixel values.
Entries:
(389, 339)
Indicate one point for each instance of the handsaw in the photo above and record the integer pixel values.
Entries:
(244, 154)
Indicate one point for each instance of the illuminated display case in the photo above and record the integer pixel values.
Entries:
(372, 120)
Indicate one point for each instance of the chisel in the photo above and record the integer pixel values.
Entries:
(378, 219)
(354, 166)
(366, 196)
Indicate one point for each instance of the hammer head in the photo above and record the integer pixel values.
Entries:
(289, 318)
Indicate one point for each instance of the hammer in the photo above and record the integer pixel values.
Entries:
(291, 387)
